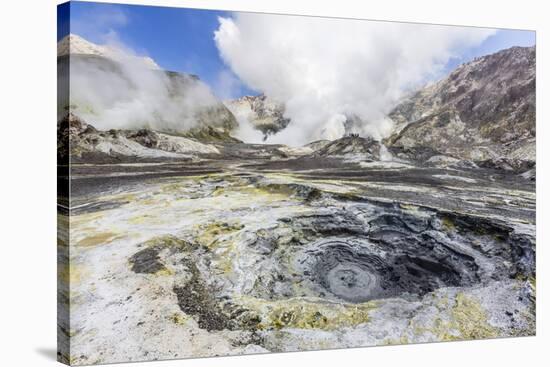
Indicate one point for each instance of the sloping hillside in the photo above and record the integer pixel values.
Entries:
(483, 111)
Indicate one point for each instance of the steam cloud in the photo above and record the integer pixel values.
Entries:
(132, 93)
(329, 71)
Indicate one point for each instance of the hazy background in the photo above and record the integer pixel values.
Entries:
(324, 70)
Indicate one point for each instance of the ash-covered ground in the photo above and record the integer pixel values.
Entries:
(178, 240)
(264, 248)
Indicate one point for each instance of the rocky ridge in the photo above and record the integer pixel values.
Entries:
(351, 147)
(263, 113)
(484, 112)
(73, 44)
(207, 120)
(84, 143)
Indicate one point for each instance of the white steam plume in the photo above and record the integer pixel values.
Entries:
(328, 70)
(131, 93)
(246, 130)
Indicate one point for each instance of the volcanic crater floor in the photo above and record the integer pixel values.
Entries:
(249, 260)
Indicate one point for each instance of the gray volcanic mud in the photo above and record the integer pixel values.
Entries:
(231, 256)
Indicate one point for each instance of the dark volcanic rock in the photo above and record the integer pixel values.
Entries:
(145, 137)
(398, 252)
(194, 298)
(72, 131)
(88, 145)
(483, 111)
(355, 275)
(414, 153)
(193, 294)
(352, 146)
(318, 144)
(146, 261)
(210, 134)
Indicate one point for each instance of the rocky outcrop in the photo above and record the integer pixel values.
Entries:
(87, 144)
(73, 44)
(139, 93)
(210, 134)
(352, 147)
(318, 144)
(208, 116)
(263, 113)
(170, 143)
(484, 111)
(214, 117)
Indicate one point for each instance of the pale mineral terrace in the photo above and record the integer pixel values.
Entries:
(234, 256)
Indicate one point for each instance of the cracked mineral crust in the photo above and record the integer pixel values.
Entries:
(197, 244)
